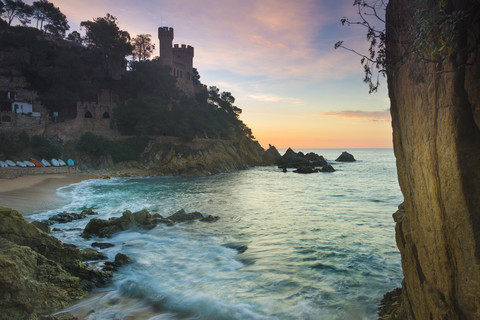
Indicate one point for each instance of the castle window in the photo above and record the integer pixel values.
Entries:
(181, 74)
(106, 115)
(6, 119)
(88, 115)
(188, 76)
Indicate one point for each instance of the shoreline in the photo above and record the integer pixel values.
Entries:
(35, 192)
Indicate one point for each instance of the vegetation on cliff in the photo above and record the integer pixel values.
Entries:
(64, 71)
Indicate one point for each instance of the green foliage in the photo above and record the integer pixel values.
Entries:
(145, 115)
(374, 61)
(128, 149)
(151, 78)
(92, 144)
(142, 47)
(49, 18)
(12, 9)
(43, 148)
(434, 32)
(105, 35)
(61, 75)
(11, 144)
(121, 150)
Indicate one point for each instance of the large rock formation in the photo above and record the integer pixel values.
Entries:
(175, 156)
(201, 156)
(436, 133)
(38, 273)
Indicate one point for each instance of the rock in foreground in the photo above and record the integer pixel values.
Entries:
(38, 273)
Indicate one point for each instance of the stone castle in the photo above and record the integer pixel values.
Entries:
(179, 58)
(92, 116)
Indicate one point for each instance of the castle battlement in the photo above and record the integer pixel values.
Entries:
(179, 57)
(165, 32)
(183, 50)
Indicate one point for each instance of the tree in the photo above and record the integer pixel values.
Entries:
(375, 59)
(431, 38)
(105, 35)
(75, 36)
(196, 76)
(143, 47)
(16, 9)
(46, 13)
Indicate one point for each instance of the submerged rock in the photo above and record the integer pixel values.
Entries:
(239, 246)
(65, 217)
(102, 245)
(345, 157)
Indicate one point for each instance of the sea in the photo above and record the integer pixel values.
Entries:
(286, 246)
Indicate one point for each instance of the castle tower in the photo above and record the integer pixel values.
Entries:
(165, 36)
(179, 58)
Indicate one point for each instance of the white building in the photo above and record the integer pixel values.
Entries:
(21, 106)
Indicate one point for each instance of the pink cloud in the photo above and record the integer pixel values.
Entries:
(358, 114)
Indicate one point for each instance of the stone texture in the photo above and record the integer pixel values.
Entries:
(38, 273)
(140, 219)
(172, 156)
(436, 136)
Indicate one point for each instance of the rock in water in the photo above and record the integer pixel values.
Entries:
(271, 156)
(182, 216)
(306, 169)
(327, 168)
(345, 157)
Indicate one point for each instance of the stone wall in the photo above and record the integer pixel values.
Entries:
(436, 135)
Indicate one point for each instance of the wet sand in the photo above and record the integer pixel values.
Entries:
(31, 193)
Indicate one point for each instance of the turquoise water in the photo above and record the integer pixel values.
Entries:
(320, 246)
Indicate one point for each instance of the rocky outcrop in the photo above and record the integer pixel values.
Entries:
(65, 217)
(345, 157)
(436, 134)
(271, 155)
(201, 156)
(140, 219)
(38, 273)
(304, 163)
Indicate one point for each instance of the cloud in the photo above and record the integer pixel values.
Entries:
(358, 114)
(274, 98)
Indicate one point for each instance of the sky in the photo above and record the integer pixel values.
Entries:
(276, 57)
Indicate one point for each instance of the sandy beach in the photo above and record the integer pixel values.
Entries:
(31, 193)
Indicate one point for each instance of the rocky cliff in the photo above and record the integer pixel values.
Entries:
(200, 157)
(436, 133)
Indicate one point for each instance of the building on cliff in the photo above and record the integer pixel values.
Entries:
(179, 58)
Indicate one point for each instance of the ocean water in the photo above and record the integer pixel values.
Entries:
(320, 246)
